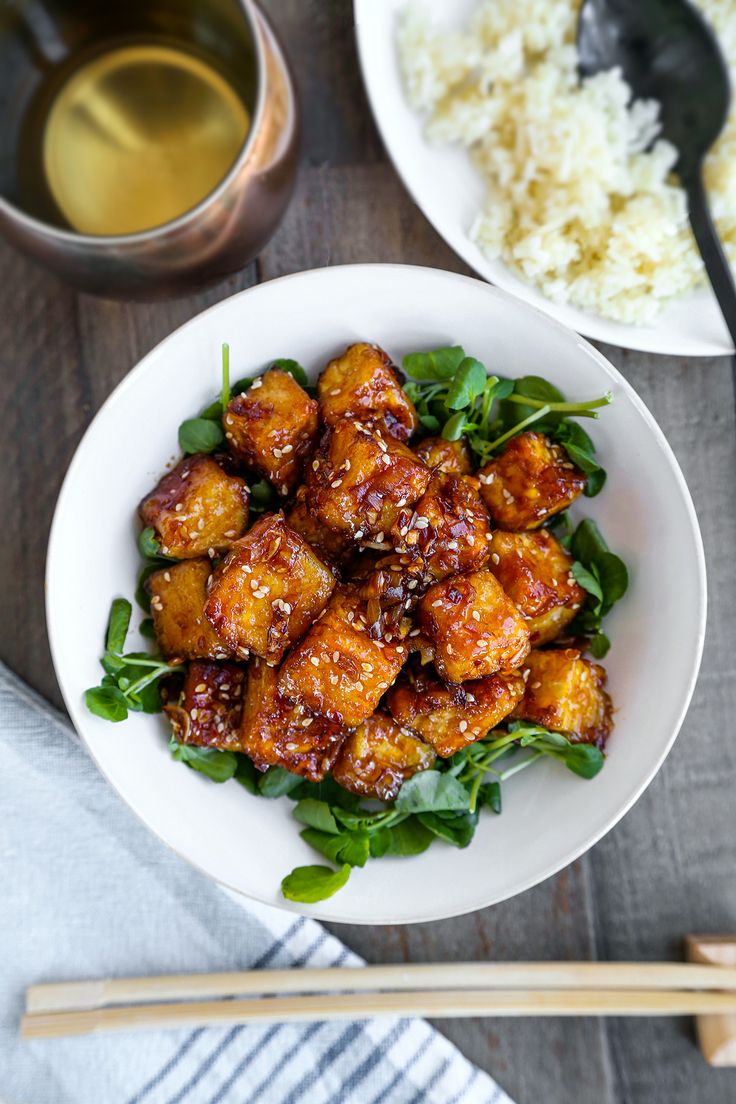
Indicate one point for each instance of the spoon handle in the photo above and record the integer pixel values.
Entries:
(712, 252)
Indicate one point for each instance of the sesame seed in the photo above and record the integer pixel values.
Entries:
(336, 483)
(167, 576)
(400, 649)
(463, 726)
(286, 607)
(496, 558)
(314, 661)
(278, 453)
(413, 584)
(194, 713)
(351, 615)
(421, 523)
(307, 722)
(178, 507)
(333, 680)
(415, 632)
(346, 465)
(257, 382)
(449, 649)
(284, 488)
(475, 615)
(291, 747)
(225, 687)
(200, 524)
(211, 553)
(536, 685)
(452, 545)
(335, 391)
(254, 584)
(437, 603)
(382, 686)
(379, 537)
(379, 644)
(367, 667)
(386, 459)
(200, 688)
(525, 674)
(287, 449)
(359, 687)
(315, 465)
(358, 534)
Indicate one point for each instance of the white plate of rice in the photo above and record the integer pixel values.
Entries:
(550, 190)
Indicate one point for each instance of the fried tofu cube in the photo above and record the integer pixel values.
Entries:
(567, 693)
(268, 590)
(391, 589)
(530, 481)
(473, 626)
(364, 384)
(359, 480)
(178, 594)
(378, 757)
(196, 508)
(452, 457)
(337, 670)
(448, 527)
(330, 544)
(451, 717)
(534, 570)
(210, 707)
(272, 427)
(276, 732)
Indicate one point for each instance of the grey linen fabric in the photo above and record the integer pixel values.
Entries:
(87, 892)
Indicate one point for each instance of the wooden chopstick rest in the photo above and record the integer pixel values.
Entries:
(716, 1033)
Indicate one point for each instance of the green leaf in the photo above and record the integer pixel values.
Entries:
(277, 781)
(587, 580)
(595, 483)
(379, 842)
(142, 597)
(454, 427)
(432, 791)
(327, 790)
(361, 819)
(536, 387)
(246, 773)
(314, 883)
(347, 847)
(468, 383)
(117, 627)
(217, 765)
(200, 435)
(585, 760)
(599, 645)
(439, 364)
(107, 702)
(582, 459)
(429, 422)
(316, 814)
(614, 578)
(588, 543)
(148, 546)
(262, 497)
(457, 830)
(410, 837)
(489, 796)
(293, 368)
(240, 386)
(146, 628)
(225, 393)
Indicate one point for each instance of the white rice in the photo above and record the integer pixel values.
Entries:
(576, 204)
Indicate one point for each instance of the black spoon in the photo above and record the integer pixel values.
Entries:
(668, 52)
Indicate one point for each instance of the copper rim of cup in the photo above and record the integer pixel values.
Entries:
(251, 15)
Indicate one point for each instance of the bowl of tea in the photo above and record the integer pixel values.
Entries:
(145, 148)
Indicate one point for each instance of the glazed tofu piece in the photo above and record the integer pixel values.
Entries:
(534, 570)
(473, 626)
(330, 544)
(530, 481)
(337, 670)
(272, 427)
(268, 590)
(210, 707)
(448, 527)
(567, 693)
(452, 457)
(276, 732)
(378, 756)
(391, 590)
(360, 480)
(364, 384)
(178, 594)
(451, 717)
(196, 509)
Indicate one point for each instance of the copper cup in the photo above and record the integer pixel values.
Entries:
(233, 223)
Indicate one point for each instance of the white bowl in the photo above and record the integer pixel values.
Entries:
(550, 816)
(450, 192)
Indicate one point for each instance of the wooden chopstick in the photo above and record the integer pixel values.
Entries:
(81, 995)
(444, 1003)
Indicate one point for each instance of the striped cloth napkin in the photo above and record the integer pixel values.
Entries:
(87, 892)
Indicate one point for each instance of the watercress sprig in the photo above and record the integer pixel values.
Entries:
(131, 679)
(455, 396)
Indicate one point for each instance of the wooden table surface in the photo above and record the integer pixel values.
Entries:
(668, 867)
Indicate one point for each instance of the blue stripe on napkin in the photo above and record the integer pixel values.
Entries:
(89, 893)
